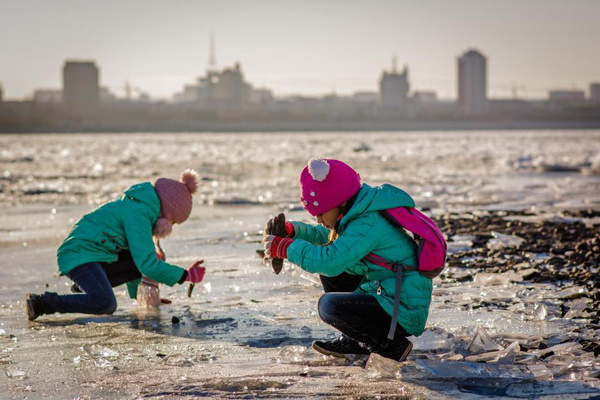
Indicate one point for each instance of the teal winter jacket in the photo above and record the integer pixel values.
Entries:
(122, 224)
(362, 231)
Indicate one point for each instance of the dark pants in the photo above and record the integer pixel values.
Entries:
(96, 281)
(358, 316)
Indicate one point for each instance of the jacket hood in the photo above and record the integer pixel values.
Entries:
(378, 198)
(145, 193)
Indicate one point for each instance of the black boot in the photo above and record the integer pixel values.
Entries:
(340, 347)
(34, 304)
(75, 289)
(397, 349)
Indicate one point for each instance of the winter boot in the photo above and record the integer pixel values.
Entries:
(340, 347)
(34, 304)
(398, 349)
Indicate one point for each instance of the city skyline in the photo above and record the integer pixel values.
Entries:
(552, 51)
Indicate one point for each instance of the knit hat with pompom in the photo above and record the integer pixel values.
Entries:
(175, 201)
(326, 184)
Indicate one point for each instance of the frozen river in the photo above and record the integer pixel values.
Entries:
(245, 332)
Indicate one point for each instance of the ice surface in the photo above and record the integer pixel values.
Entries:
(247, 333)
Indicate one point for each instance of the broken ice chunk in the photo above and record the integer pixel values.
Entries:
(502, 241)
(540, 372)
(554, 389)
(13, 372)
(482, 342)
(434, 340)
(97, 351)
(577, 308)
(443, 370)
(382, 367)
(573, 292)
(540, 312)
(504, 356)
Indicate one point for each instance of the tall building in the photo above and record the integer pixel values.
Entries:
(595, 92)
(81, 86)
(472, 83)
(394, 88)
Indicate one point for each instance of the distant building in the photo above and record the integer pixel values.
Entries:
(81, 86)
(566, 96)
(472, 83)
(394, 88)
(47, 96)
(229, 89)
(1, 94)
(424, 97)
(260, 96)
(594, 92)
(365, 97)
(106, 96)
(224, 90)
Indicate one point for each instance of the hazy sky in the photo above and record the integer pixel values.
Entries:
(304, 46)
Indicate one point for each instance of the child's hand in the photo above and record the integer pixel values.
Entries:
(195, 272)
(269, 228)
(276, 247)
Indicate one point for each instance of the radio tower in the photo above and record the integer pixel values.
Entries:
(212, 63)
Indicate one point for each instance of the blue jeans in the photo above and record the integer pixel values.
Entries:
(357, 315)
(96, 281)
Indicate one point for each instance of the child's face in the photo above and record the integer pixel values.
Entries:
(329, 218)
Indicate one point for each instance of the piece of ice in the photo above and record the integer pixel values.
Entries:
(502, 241)
(556, 390)
(540, 372)
(504, 356)
(382, 367)
(97, 351)
(102, 363)
(13, 372)
(443, 370)
(559, 348)
(487, 279)
(540, 312)
(482, 342)
(436, 340)
(577, 308)
(296, 354)
(573, 292)
(148, 296)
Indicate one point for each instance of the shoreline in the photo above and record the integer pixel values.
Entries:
(310, 126)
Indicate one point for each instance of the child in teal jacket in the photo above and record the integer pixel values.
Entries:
(115, 244)
(359, 299)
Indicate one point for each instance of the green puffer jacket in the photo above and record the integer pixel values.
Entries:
(123, 224)
(362, 231)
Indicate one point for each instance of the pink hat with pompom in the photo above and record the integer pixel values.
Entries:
(175, 200)
(326, 184)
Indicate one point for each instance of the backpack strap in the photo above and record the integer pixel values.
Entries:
(394, 323)
(398, 269)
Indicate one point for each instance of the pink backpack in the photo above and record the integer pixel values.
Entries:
(431, 253)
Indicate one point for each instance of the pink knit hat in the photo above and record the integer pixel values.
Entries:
(326, 184)
(175, 201)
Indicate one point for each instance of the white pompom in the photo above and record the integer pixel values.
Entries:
(318, 169)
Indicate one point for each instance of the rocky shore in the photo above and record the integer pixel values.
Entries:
(562, 250)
